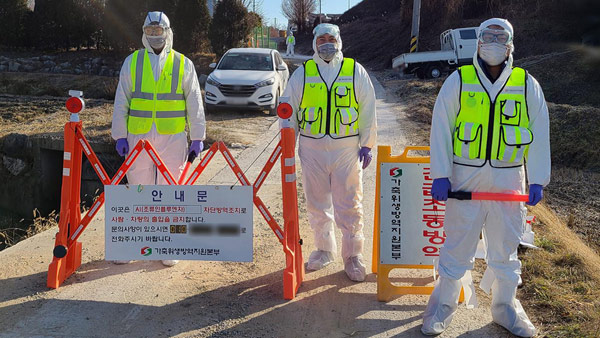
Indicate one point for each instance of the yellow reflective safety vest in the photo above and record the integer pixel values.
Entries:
(328, 111)
(492, 130)
(162, 101)
(291, 39)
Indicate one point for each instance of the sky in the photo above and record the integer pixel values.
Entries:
(272, 9)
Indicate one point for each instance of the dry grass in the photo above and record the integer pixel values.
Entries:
(41, 84)
(419, 97)
(575, 136)
(573, 194)
(31, 115)
(12, 234)
(561, 289)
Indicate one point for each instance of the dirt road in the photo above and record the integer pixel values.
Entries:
(218, 299)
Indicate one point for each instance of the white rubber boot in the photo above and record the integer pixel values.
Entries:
(441, 307)
(355, 268)
(508, 312)
(319, 259)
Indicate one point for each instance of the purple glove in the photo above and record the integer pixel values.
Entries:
(365, 156)
(122, 147)
(196, 147)
(440, 188)
(536, 193)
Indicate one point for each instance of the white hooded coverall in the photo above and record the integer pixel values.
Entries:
(172, 149)
(501, 222)
(290, 46)
(331, 171)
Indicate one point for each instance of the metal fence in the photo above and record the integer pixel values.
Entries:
(261, 38)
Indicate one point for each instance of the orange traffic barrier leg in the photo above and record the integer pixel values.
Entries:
(294, 271)
(203, 163)
(67, 250)
(64, 263)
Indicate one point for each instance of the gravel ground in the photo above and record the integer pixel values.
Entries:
(218, 299)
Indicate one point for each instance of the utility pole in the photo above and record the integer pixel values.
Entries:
(414, 34)
(320, 12)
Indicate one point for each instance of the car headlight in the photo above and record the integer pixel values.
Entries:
(267, 82)
(212, 81)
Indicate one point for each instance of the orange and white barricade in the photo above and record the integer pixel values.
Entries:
(67, 248)
(408, 226)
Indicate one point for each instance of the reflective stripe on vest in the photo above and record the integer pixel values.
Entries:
(497, 131)
(162, 101)
(323, 111)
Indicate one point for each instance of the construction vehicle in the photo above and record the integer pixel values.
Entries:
(457, 48)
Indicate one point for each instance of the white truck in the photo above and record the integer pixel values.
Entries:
(457, 48)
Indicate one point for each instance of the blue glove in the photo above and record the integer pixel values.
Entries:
(365, 156)
(536, 193)
(122, 147)
(196, 147)
(440, 188)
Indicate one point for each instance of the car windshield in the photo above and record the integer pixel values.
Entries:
(246, 61)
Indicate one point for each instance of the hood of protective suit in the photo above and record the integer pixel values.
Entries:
(164, 21)
(333, 30)
(502, 23)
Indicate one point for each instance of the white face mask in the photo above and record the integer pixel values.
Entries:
(327, 51)
(493, 53)
(157, 42)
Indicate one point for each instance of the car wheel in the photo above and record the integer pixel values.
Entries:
(434, 72)
(273, 111)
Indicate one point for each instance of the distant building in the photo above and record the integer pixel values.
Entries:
(316, 18)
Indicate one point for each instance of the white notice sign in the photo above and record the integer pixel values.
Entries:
(410, 220)
(193, 222)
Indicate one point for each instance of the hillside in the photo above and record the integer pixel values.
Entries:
(375, 31)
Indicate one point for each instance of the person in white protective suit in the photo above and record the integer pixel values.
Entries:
(157, 96)
(290, 41)
(490, 118)
(334, 113)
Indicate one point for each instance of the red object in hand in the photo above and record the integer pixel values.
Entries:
(74, 105)
(491, 196)
(284, 110)
(487, 196)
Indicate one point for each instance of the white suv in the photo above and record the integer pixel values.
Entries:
(249, 78)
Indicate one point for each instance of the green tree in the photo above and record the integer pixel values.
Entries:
(190, 23)
(230, 27)
(64, 23)
(166, 6)
(47, 32)
(122, 23)
(123, 20)
(12, 22)
(254, 20)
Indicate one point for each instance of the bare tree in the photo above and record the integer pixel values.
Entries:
(297, 11)
(254, 5)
